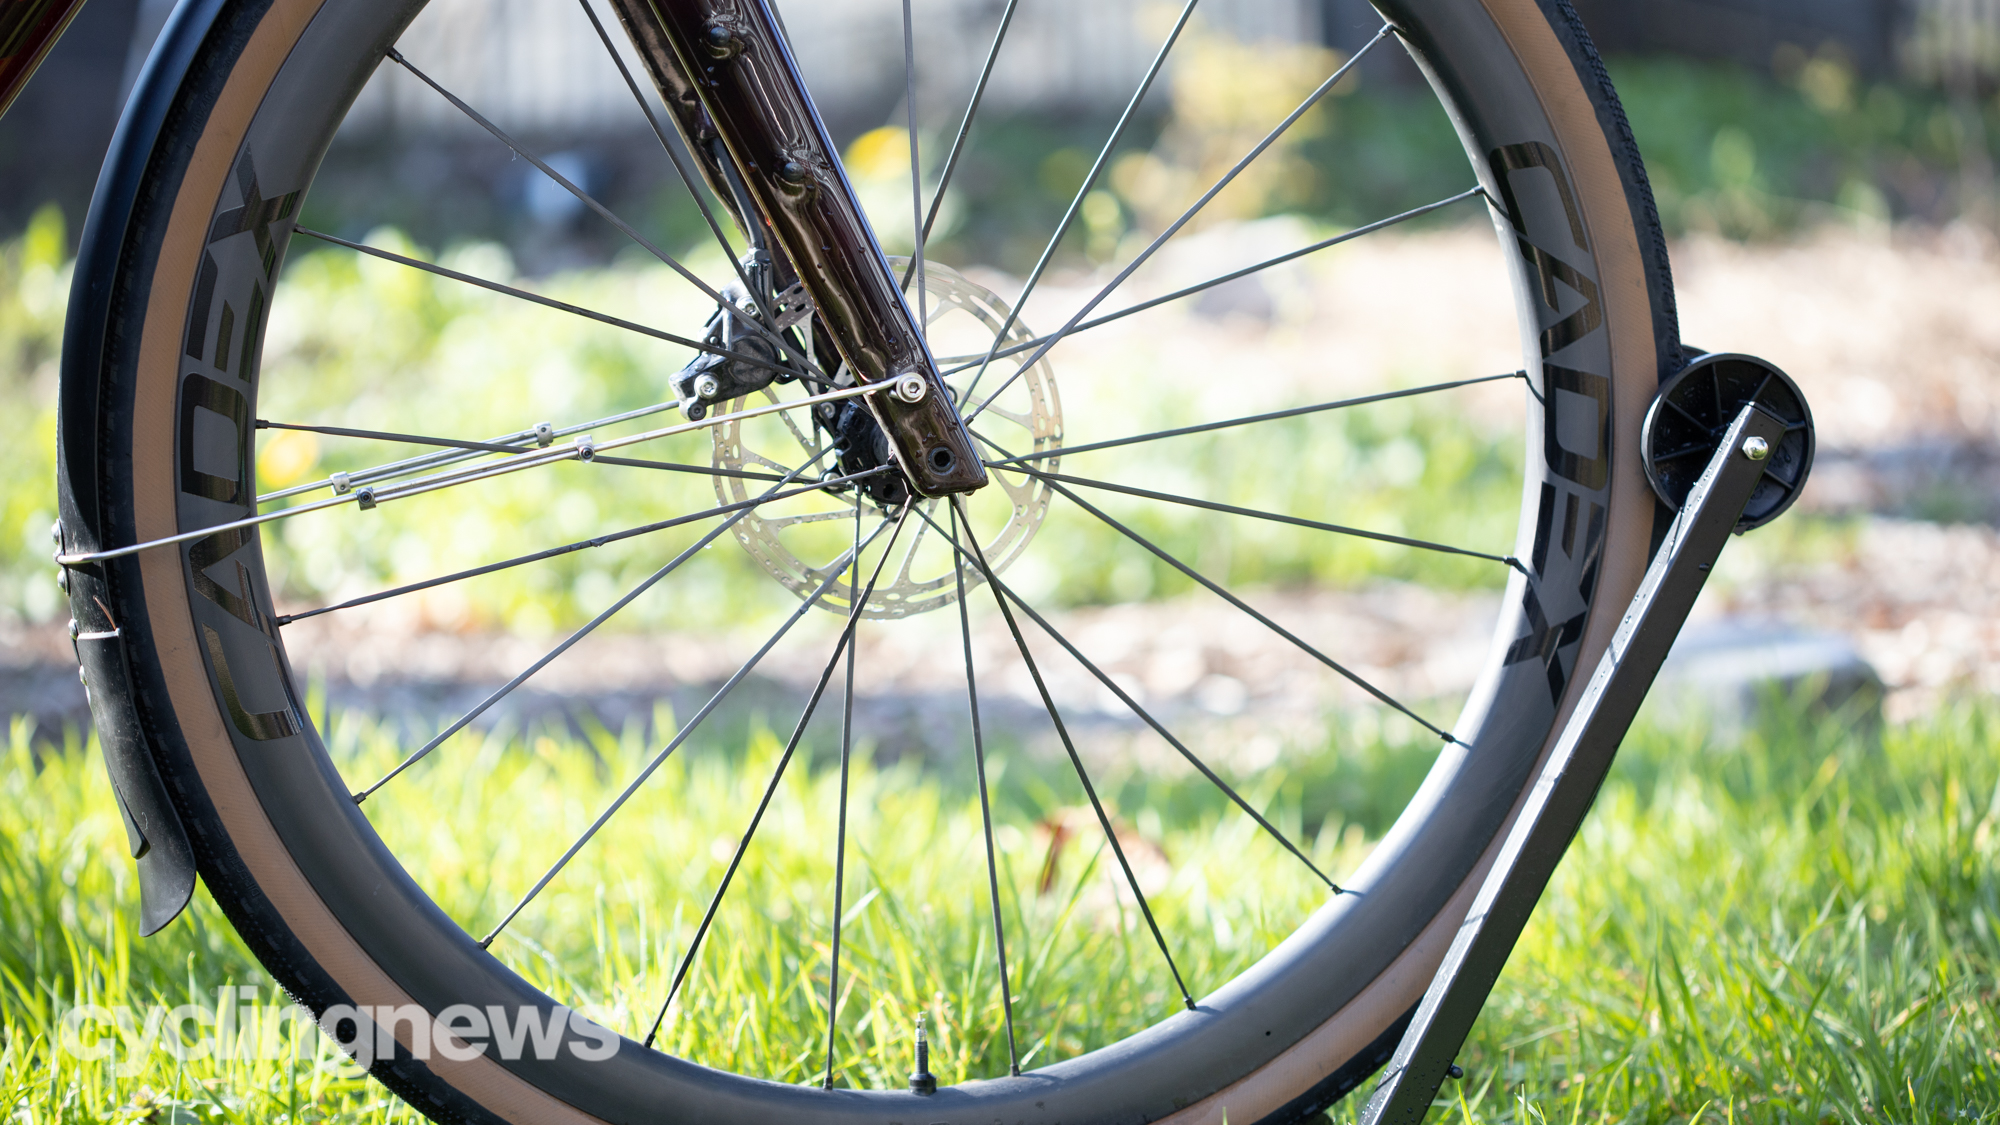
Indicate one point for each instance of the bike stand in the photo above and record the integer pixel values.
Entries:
(1568, 783)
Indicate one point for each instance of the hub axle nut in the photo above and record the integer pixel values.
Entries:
(910, 388)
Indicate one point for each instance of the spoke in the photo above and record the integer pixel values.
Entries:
(856, 601)
(677, 467)
(1336, 240)
(1270, 139)
(916, 541)
(667, 146)
(777, 775)
(582, 450)
(810, 446)
(1296, 521)
(602, 211)
(569, 642)
(1239, 603)
(917, 228)
(1294, 412)
(985, 802)
(1062, 732)
(1144, 716)
(666, 752)
(1076, 204)
(581, 545)
(521, 440)
(384, 435)
(548, 302)
(964, 128)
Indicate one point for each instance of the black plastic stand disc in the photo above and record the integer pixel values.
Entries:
(1694, 409)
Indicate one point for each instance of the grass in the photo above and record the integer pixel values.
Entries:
(1795, 926)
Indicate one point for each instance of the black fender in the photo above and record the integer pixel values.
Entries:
(94, 518)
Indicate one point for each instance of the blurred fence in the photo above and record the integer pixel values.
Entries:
(536, 65)
(1953, 42)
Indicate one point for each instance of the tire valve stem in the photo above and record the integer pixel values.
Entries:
(921, 1079)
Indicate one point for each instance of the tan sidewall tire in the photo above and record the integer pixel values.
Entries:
(1272, 1090)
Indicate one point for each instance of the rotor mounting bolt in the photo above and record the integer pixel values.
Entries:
(910, 387)
(722, 42)
(1756, 448)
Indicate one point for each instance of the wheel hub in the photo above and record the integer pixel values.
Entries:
(1024, 418)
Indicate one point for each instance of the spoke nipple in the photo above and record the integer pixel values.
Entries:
(342, 484)
(1756, 448)
(921, 1079)
(1454, 1072)
(366, 497)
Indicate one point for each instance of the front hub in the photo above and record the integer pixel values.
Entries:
(799, 542)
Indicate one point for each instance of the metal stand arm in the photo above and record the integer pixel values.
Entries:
(1569, 782)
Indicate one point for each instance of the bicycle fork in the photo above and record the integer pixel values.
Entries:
(727, 75)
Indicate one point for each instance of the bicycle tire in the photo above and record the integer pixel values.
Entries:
(232, 116)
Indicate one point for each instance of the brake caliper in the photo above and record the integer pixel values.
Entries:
(753, 362)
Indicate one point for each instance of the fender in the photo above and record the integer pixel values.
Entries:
(133, 743)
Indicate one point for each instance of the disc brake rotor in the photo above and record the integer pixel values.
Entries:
(1024, 418)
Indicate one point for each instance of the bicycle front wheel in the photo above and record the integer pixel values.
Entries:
(164, 386)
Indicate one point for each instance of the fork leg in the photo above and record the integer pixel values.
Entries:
(725, 70)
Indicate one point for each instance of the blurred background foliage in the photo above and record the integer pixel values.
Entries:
(1737, 150)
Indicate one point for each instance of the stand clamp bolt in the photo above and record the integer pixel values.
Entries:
(1756, 448)
(910, 387)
